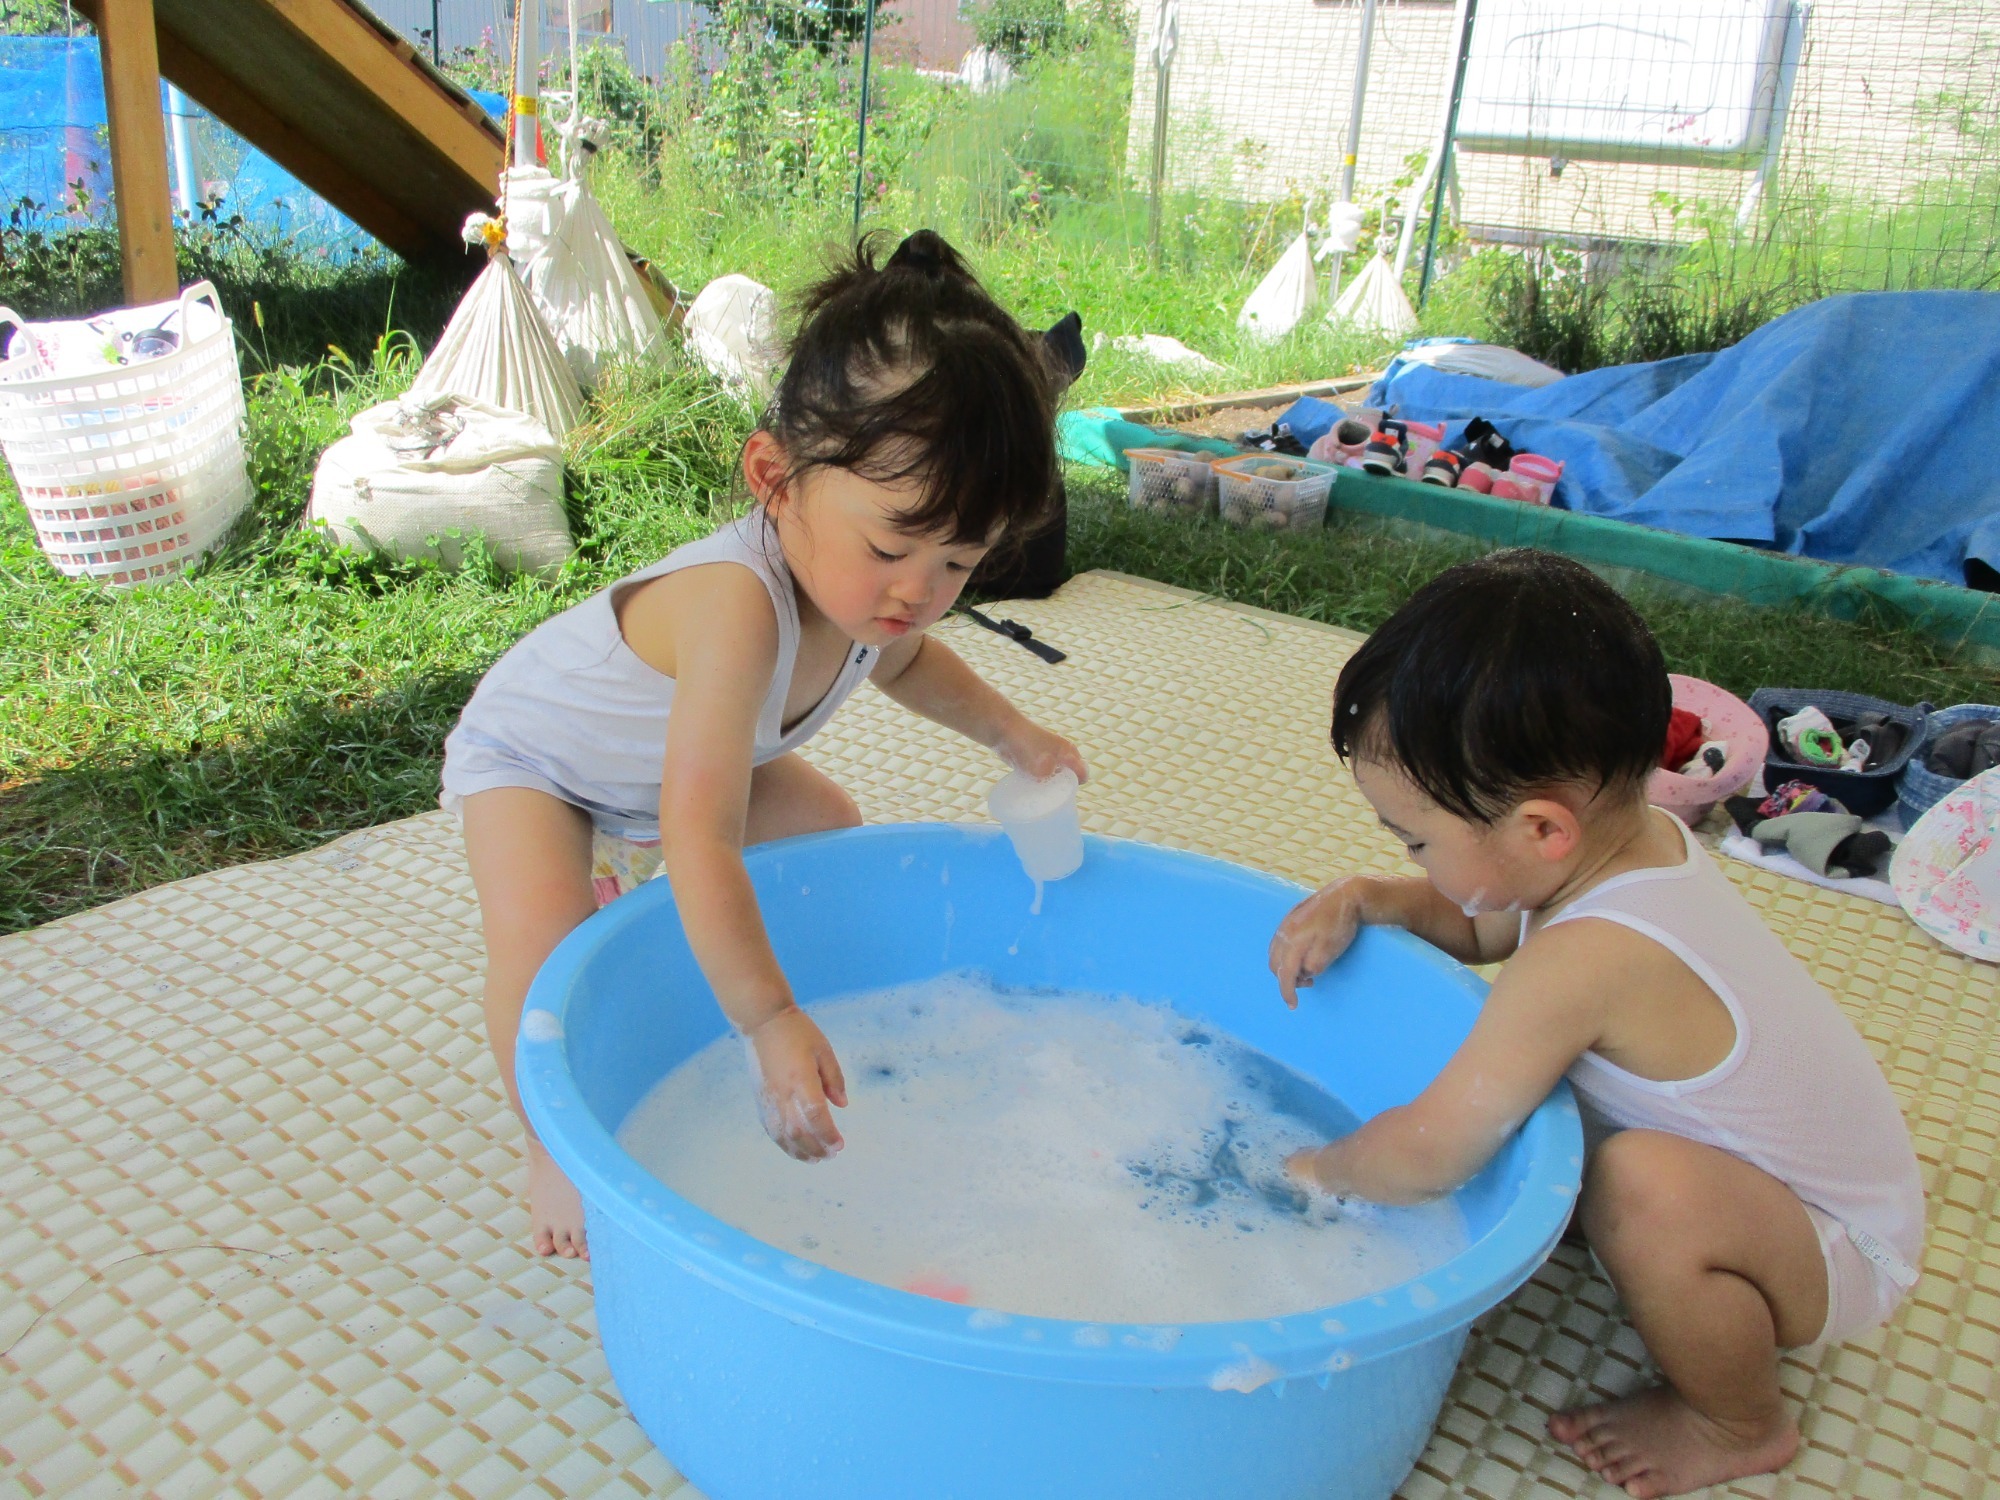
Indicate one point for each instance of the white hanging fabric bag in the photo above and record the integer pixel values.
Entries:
(573, 264)
(498, 349)
(1282, 297)
(417, 476)
(732, 328)
(1374, 303)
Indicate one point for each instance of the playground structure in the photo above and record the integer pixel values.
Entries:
(350, 108)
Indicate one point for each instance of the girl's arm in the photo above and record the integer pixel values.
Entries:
(929, 678)
(1545, 1010)
(1319, 929)
(712, 630)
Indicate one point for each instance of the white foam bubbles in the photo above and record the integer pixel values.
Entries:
(540, 1025)
(1054, 1155)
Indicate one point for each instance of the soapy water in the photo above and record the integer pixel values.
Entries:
(1046, 1153)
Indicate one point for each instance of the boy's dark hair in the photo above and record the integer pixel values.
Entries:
(1517, 671)
(911, 371)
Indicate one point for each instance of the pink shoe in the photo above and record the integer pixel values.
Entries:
(1425, 438)
(1346, 440)
(1478, 478)
(1533, 472)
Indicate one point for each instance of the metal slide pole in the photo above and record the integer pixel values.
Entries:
(1406, 237)
(1347, 162)
(437, 47)
(1444, 152)
(1166, 38)
(861, 137)
(187, 169)
(527, 84)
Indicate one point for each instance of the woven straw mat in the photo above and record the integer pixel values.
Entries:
(262, 1232)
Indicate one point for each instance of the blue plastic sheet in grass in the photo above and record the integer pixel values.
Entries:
(1861, 429)
(55, 162)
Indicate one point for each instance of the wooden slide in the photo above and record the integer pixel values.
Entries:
(323, 88)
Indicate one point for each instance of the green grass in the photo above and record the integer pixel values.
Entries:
(1357, 573)
(285, 693)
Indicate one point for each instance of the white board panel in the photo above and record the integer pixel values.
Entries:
(1676, 80)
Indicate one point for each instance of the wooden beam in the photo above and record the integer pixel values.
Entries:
(355, 47)
(138, 129)
(284, 144)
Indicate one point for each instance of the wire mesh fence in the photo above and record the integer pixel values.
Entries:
(1625, 178)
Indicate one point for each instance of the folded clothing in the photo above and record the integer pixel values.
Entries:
(1834, 844)
(1811, 738)
(1964, 750)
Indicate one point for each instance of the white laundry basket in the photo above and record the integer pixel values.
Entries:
(130, 472)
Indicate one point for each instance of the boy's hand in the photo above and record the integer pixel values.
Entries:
(797, 1077)
(1313, 934)
(1040, 752)
(1303, 1168)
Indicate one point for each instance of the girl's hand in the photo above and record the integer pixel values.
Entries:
(1040, 752)
(1315, 933)
(797, 1077)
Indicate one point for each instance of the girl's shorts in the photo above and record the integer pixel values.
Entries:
(621, 863)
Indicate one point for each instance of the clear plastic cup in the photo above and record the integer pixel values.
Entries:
(1040, 817)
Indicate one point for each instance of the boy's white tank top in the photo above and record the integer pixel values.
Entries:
(575, 703)
(1799, 1095)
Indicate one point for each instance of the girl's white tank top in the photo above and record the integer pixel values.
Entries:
(573, 703)
(1799, 1095)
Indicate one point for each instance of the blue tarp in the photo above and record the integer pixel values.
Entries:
(52, 136)
(1861, 429)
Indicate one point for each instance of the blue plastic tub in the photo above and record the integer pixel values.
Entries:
(763, 1377)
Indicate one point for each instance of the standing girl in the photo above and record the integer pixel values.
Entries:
(657, 723)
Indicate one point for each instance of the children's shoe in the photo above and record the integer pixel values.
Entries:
(1343, 443)
(1443, 467)
(1477, 477)
(1483, 444)
(1386, 449)
(1424, 438)
(1531, 471)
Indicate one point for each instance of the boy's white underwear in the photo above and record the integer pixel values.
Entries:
(1860, 1295)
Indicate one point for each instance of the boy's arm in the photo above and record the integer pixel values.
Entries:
(1319, 929)
(929, 678)
(1545, 1010)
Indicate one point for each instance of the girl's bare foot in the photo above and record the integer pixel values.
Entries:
(1654, 1443)
(555, 1210)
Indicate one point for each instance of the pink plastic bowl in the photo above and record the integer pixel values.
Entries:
(1732, 721)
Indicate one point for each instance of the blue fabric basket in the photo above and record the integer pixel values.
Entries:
(1919, 787)
(1865, 793)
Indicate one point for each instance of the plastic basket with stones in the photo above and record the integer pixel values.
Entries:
(1170, 482)
(1274, 494)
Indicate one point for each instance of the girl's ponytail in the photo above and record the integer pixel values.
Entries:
(927, 254)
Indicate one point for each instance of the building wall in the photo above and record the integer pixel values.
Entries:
(1894, 102)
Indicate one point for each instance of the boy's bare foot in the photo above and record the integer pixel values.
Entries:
(1654, 1443)
(555, 1210)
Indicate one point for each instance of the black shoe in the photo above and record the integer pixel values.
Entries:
(1387, 449)
(1482, 444)
(1443, 468)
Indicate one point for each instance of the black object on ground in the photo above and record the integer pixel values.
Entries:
(1016, 632)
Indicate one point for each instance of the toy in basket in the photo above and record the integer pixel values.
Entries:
(1274, 494)
(125, 435)
(1171, 482)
